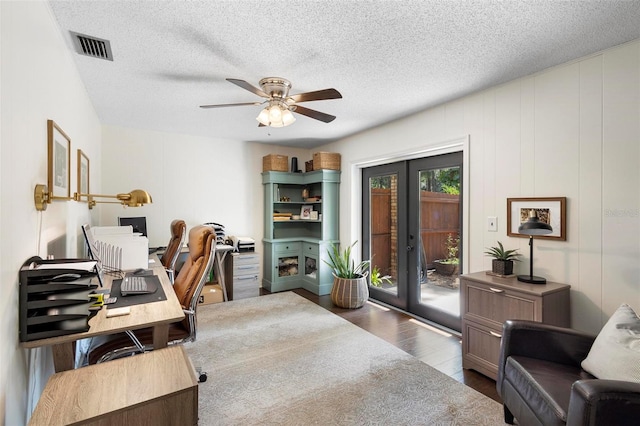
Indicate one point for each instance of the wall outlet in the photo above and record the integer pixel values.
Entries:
(492, 224)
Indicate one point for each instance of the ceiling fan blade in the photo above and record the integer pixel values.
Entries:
(314, 114)
(318, 95)
(248, 86)
(230, 105)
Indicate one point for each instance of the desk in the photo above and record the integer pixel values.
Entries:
(154, 388)
(157, 315)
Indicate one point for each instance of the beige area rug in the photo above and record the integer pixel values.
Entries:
(282, 360)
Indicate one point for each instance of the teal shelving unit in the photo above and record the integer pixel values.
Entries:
(294, 250)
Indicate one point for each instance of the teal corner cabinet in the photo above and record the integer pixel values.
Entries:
(300, 223)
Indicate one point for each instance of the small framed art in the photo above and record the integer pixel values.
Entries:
(305, 212)
(551, 211)
(83, 173)
(59, 162)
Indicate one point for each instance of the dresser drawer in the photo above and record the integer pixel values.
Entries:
(496, 305)
(246, 258)
(480, 348)
(286, 247)
(245, 269)
(246, 286)
(308, 248)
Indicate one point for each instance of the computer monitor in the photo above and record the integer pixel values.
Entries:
(139, 224)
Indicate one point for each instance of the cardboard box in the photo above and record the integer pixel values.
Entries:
(211, 293)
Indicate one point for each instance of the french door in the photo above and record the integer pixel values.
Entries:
(412, 234)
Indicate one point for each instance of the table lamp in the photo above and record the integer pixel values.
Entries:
(532, 227)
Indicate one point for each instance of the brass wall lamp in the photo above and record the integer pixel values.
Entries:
(41, 197)
(135, 198)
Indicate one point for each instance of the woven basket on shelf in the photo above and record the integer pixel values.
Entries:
(326, 160)
(275, 163)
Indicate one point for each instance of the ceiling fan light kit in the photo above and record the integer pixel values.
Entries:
(278, 112)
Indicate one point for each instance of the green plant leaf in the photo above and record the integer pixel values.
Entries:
(342, 265)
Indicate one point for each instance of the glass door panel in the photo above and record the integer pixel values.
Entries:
(382, 232)
(435, 217)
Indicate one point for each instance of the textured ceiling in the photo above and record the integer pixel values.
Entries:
(388, 58)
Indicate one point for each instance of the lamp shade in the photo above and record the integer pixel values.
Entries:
(135, 198)
(276, 115)
(533, 226)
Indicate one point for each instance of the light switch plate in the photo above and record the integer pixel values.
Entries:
(492, 224)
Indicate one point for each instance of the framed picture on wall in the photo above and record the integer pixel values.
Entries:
(83, 173)
(551, 211)
(59, 162)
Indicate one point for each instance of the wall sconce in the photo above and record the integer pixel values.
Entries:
(532, 227)
(41, 197)
(135, 198)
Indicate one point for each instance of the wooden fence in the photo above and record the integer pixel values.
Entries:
(440, 216)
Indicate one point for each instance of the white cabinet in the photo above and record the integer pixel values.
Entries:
(241, 275)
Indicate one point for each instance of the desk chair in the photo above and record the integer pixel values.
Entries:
(187, 286)
(169, 257)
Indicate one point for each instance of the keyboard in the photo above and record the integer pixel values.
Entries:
(134, 285)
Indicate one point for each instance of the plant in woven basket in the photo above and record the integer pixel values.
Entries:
(342, 265)
(502, 262)
(350, 284)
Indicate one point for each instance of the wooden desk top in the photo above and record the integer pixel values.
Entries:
(141, 316)
(100, 392)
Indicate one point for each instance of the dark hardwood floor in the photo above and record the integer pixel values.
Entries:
(438, 348)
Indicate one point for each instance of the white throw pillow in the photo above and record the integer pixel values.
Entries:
(615, 354)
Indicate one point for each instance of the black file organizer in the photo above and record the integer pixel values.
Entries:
(52, 307)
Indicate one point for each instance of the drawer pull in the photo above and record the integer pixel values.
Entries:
(496, 290)
(494, 334)
(246, 267)
(251, 277)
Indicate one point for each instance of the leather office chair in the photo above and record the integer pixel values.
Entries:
(541, 381)
(187, 286)
(169, 257)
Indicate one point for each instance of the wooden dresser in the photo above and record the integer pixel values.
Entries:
(488, 301)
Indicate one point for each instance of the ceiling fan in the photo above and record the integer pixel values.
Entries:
(279, 105)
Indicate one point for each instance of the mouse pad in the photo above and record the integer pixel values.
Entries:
(136, 299)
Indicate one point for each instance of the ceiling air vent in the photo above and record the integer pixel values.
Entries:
(92, 46)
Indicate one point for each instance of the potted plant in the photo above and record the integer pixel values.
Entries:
(377, 279)
(350, 285)
(450, 265)
(502, 263)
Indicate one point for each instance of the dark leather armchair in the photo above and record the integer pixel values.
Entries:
(170, 255)
(188, 286)
(541, 382)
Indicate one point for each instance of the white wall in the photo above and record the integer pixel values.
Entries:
(38, 81)
(192, 178)
(570, 131)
